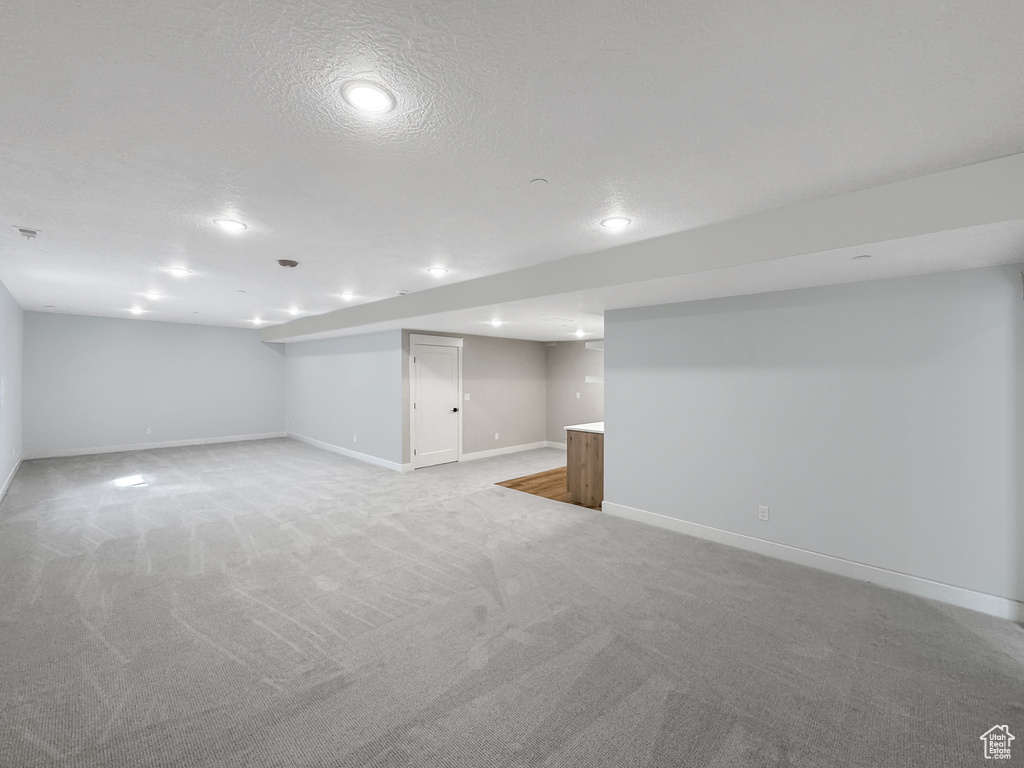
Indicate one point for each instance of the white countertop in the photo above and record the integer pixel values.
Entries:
(594, 426)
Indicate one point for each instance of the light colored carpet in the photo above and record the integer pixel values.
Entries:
(269, 604)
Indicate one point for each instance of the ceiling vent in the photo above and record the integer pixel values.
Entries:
(27, 232)
(287, 263)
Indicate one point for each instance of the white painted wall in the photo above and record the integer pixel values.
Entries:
(94, 383)
(569, 363)
(882, 423)
(11, 323)
(344, 387)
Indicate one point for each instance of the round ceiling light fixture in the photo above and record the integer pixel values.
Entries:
(257, 321)
(615, 223)
(497, 323)
(136, 310)
(580, 333)
(368, 97)
(231, 226)
(153, 296)
(437, 271)
(294, 311)
(178, 271)
(347, 295)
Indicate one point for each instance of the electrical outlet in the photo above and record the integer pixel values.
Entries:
(467, 395)
(762, 513)
(149, 430)
(353, 438)
(577, 395)
(495, 435)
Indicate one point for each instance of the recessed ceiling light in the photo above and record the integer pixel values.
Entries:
(153, 296)
(347, 295)
(368, 97)
(256, 321)
(580, 334)
(294, 311)
(132, 481)
(615, 223)
(231, 225)
(137, 310)
(178, 271)
(437, 271)
(496, 323)
(862, 256)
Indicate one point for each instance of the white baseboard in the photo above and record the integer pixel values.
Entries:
(502, 451)
(1001, 607)
(350, 453)
(10, 477)
(64, 452)
(559, 446)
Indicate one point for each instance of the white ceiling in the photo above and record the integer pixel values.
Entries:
(129, 126)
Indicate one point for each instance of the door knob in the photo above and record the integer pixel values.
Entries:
(455, 410)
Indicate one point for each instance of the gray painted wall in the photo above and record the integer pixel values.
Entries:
(568, 365)
(352, 385)
(95, 382)
(881, 422)
(507, 383)
(11, 324)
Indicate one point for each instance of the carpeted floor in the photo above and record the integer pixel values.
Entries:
(268, 604)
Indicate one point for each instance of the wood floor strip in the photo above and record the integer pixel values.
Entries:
(550, 485)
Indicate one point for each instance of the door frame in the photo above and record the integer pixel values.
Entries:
(431, 341)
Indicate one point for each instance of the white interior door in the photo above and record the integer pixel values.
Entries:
(436, 403)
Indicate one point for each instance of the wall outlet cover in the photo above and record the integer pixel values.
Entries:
(762, 513)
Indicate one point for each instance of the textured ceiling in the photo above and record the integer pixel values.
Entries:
(127, 127)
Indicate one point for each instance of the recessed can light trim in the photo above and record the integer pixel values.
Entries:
(232, 226)
(365, 96)
(437, 271)
(178, 271)
(615, 223)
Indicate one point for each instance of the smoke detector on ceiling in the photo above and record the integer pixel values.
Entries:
(27, 232)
